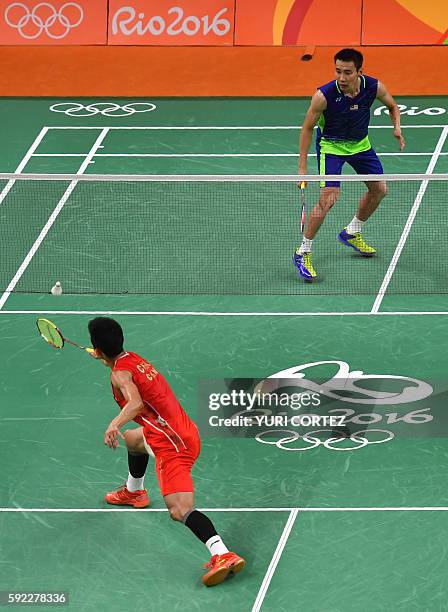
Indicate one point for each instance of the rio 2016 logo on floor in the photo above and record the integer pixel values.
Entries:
(43, 18)
(433, 111)
(346, 386)
(107, 109)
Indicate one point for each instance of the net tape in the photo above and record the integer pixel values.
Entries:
(204, 178)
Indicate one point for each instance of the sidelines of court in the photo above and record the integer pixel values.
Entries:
(410, 220)
(25, 263)
(36, 142)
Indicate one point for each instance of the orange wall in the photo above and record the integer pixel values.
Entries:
(298, 22)
(404, 22)
(207, 71)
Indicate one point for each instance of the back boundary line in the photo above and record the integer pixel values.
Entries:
(224, 314)
(290, 510)
(220, 127)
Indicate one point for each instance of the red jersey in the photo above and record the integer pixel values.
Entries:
(167, 427)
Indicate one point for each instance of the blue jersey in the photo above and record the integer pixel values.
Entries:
(343, 126)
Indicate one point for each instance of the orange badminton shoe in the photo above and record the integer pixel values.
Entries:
(221, 566)
(123, 497)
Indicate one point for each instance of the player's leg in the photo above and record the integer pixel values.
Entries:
(366, 162)
(176, 485)
(376, 192)
(181, 508)
(329, 193)
(138, 457)
(133, 493)
(328, 198)
(327, 163)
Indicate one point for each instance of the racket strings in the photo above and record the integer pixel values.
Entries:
(50, 333)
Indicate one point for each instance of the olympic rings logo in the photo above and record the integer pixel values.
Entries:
(32, 23)
(314, 441)
(107, 109)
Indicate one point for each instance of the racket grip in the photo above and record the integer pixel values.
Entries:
(90, 350)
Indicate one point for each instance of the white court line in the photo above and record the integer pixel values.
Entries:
(274, 561)
(51, 220)
(223, 127)
(69, 418)
(156, 155)
(409, 222)
(54, 510)
(290, 510)
(7, 188)
(194, 313)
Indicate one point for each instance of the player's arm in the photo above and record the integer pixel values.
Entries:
(122, 380)
(394, 112)
(317, 107)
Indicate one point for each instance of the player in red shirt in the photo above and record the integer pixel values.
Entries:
(166, 432)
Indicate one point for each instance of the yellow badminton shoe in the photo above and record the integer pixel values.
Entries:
(303, 263)
(356, 242)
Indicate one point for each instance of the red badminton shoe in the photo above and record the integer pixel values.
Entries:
(123, 497)
(222, 566)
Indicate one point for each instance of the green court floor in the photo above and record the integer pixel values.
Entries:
(322, 530)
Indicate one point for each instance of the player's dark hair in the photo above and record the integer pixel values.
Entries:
(106, 335)
(350, 55)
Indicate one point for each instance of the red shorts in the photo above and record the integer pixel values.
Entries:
(173, 468)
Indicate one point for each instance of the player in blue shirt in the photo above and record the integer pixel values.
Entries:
(341, 110)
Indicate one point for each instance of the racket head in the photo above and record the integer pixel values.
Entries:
(50, 333)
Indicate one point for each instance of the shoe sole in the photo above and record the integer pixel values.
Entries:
(305, 278)
(136, 505)
(223, 573)
(355, 249)
(237, 567)
(141, 504)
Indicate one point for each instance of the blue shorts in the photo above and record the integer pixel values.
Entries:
(366, 162)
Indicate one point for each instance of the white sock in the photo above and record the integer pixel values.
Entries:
(305, 247)
(355, 226)
(216, 546)
(134, 484)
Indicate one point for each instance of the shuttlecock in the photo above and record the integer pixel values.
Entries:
(57, 289)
